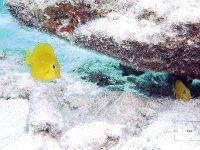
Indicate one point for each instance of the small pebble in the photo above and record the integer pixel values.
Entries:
(2, 54)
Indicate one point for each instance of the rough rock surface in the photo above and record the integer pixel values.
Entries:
(148, 35)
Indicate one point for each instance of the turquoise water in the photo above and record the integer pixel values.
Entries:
(15, 39)
(2, 9)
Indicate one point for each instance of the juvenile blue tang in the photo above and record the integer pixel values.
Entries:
(43, 63)
(181, 92)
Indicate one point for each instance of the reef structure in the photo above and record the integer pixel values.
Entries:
(147, 35)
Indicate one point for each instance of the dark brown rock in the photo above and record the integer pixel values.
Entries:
(182, 59)
(75, 14)
(23, 15)
(128, 70)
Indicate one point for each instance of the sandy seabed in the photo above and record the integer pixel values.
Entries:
(70, 113)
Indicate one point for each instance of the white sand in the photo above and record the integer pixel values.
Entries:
(78, 115)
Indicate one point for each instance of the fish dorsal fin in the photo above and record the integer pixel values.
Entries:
(181, 84)
(43, 49)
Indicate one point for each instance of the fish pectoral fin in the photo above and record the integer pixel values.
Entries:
(174, 90)
(47, 73)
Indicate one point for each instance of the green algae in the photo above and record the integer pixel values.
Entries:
(109, 75)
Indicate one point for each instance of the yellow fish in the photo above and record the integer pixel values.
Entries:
(180, 91)
(43, 63)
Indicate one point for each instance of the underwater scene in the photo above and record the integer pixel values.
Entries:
(99, 75)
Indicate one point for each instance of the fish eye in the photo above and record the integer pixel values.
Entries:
(54, 66)
(184, 92)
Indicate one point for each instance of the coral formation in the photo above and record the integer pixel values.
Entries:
(66, 17)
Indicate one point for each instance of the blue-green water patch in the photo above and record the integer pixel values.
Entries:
(2, 8)
(15, 39)
(111, 76)
(195, 88)
(103, 73)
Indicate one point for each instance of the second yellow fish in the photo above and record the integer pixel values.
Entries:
(181, 92)
(43, 63)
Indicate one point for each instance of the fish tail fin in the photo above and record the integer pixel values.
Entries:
(28, 57)
(174, 89)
